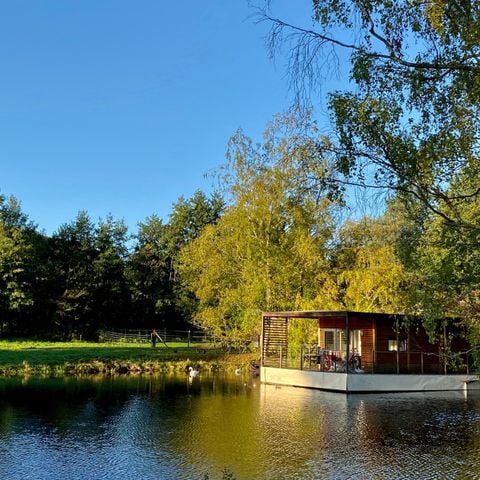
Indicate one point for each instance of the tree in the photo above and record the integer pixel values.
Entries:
(446, 265)
(411, 123)
(73, 254)
(159, 293)
(374, 278)
(91, 289)
(111, 291)
(19, 267)
(15, 294)
(268, 251)
(149, 270)
(408, 125)
(187, 220)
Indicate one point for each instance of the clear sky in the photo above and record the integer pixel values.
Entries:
(122, 106)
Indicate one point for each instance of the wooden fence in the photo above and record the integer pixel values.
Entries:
(166, 336)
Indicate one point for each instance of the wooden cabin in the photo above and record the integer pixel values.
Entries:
(359, 342)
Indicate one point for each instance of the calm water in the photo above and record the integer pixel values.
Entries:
(165, 428)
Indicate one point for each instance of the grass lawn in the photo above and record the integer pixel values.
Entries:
(17, 357)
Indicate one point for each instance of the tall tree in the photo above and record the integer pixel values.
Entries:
(269, 249)
(158, 288)
(19, 267)
(186, 222)
(411, 122)
(149, 269)
(370, 274)
(446, 265)
(90, 287)
(111, 292)
(74, 252)
(408, 124)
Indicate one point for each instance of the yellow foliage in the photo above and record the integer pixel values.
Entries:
(435, 11)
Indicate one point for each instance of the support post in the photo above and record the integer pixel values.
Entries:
(397, 353)
(347, 331)
(444, 349)
(408, 349)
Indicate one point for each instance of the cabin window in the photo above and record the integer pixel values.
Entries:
(334, 339)
(400, 345)
(356, 341)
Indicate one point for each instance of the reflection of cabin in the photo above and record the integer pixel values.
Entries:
(357, 342)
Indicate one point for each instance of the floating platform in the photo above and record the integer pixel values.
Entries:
(368, 382)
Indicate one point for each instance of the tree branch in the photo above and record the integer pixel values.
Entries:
(391, 56)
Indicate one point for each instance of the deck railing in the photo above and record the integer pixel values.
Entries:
(305, 358)
(422, 362)
(415, 362)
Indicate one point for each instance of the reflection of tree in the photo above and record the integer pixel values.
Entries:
(431, 428)
(219, 428)
(300, 420)
(163, 426)
(334, 435)
(59, 403)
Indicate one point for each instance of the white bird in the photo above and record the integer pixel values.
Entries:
(192, 372)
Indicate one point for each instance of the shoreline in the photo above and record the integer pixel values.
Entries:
(115, 367)
(24, 358)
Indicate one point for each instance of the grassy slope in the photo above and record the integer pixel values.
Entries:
(27, 357)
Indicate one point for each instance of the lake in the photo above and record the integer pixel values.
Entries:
(166, 427)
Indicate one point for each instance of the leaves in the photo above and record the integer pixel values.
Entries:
(269, 249)
(410, 124)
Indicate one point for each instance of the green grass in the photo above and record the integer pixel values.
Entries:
(21, 357)
(16, 352)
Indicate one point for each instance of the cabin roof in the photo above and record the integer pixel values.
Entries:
(328, 313)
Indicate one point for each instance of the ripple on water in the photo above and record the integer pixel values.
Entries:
(174, 430)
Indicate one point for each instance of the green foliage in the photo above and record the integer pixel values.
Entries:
(19, 272)
(89, 271)
(371, 276)
(448, 266)
(302, 332)
(409, 126)
(87, 276)
(148, 270)
(411, 122)
(269, 250)
(159, 293)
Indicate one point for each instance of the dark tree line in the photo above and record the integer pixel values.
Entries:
(87, 276)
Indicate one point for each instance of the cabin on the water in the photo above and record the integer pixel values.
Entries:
(358, 351)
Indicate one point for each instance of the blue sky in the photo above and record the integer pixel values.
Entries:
(121, 107)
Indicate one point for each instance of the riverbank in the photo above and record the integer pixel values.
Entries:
(20, 358)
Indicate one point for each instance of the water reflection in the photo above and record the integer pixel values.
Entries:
(159, 427)
(421, 435)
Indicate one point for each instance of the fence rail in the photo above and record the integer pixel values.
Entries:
(165, 335)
